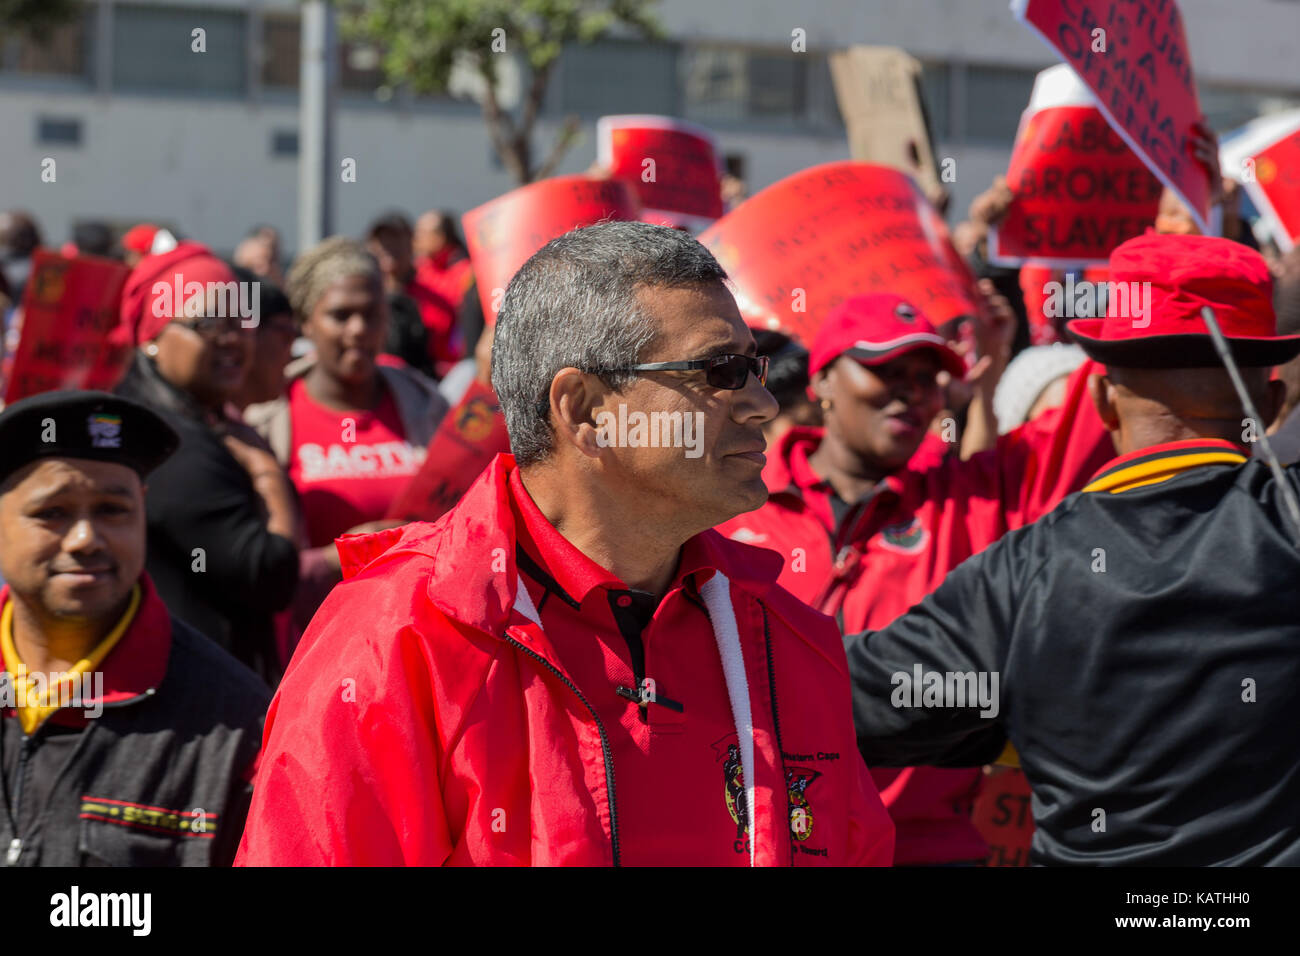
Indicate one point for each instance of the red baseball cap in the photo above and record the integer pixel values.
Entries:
(140, 238)
(875, 328)
(1184, 274)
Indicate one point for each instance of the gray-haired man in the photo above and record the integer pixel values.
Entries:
(570, 667)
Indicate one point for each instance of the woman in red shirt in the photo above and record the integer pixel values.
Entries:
(350, 432)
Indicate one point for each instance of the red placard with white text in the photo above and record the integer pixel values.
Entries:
(503, 233)
(800, 247)
(672, 165)
(467, 439)
(1079, 189)
(69, 308)
(1135, 60)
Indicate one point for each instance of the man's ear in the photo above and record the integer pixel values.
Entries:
(576, 399)
(1102, 391)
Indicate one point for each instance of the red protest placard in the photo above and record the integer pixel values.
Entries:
(800, 247)
(1004, 817)
(69, 308)
(672, 165)
(1134, 58)
(1079, 190)
(468, 438)
(503, 233)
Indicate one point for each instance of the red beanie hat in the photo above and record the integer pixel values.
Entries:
(149, 299)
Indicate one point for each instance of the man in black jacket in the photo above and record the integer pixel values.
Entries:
(1139, 646)
(127, 738)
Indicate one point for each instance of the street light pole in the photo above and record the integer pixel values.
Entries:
(317, 100)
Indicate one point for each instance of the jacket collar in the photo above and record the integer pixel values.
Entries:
(788, 470)
(135, 667)
(475, 570)
(1157, 463)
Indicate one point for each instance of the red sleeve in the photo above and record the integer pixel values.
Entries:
(349, 766)
(1033, 467)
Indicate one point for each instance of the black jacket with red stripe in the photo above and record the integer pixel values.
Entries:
(1140, 648)
(160, 776)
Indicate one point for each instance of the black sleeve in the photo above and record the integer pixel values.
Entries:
(958, 635)
(201, 498)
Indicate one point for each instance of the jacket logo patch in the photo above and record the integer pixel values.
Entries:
(906, 537)
(476, 419)
(733, 789)
(196, 823)
(797, 780)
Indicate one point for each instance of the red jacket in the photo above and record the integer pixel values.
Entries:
(425, 715)
(918, 525)
(438, 285)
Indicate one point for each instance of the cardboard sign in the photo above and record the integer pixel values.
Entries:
(879, 92)
(69, 308)
(1004, 816)
(503, 233)
(800, 247)
(1142, 80)
(467, 439)
(1263, 156)
(672, 165)
(1079, 190)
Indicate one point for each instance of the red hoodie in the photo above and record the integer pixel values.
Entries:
(916, 526)
(427, 717)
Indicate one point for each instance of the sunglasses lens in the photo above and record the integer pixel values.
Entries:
(730, 373)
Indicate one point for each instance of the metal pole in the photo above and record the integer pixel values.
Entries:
(1225, 355)
(316, 99)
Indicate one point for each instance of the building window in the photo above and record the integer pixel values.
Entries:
(281, 51)
(58, 131)
(284, 142)
(995, 98)
(936, 96)
(617, 77)
(1226, 108)
(153, 50)
(733, 84)
(66, 51)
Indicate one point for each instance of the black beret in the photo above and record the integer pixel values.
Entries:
(77, 424)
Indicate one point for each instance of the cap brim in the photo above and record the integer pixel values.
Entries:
(950, 361)
(1181, 351)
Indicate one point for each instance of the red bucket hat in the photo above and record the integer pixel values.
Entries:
(875, 328)
(1184, 274)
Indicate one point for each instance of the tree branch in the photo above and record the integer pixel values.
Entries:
(563, 140)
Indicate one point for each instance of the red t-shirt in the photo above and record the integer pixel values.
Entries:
(670, 764)
(348, 466)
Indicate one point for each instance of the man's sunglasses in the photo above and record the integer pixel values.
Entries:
(722, 371)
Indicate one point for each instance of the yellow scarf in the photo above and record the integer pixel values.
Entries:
(33, 707)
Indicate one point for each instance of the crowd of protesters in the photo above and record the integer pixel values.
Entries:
(462, 692)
